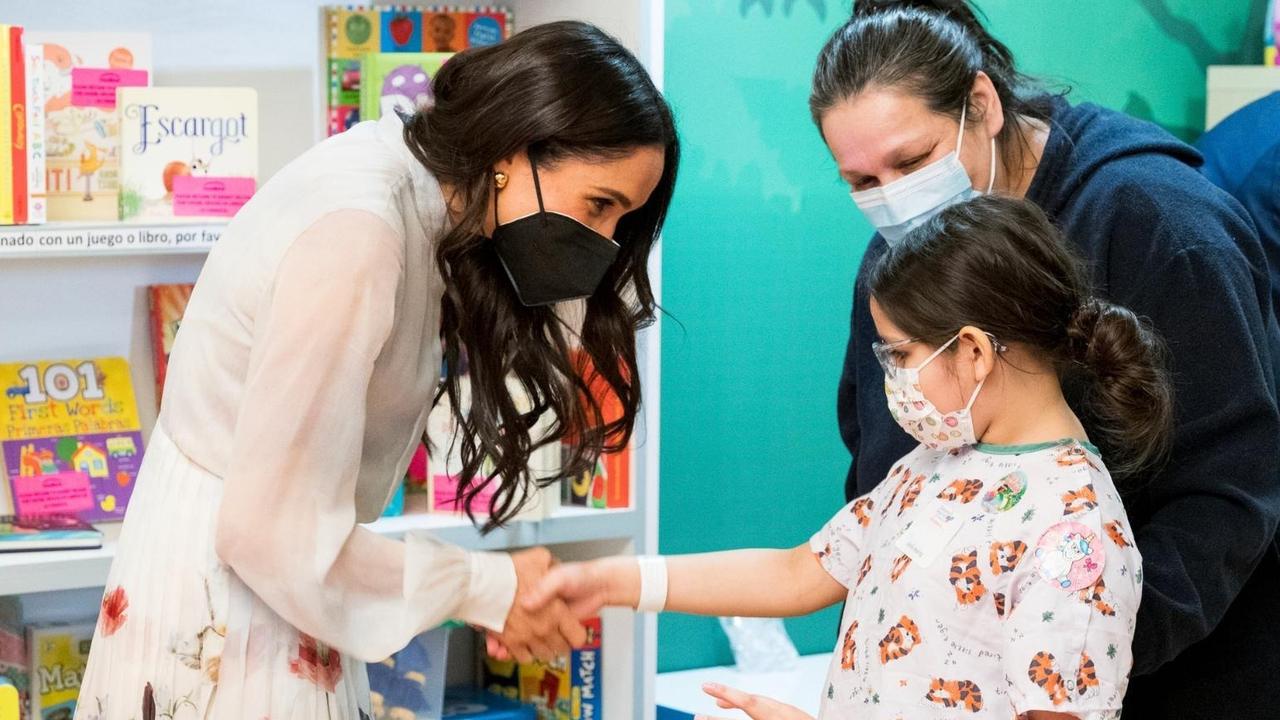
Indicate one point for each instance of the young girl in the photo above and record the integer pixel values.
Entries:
(993, 572)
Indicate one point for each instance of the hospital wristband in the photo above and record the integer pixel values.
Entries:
(653, 583)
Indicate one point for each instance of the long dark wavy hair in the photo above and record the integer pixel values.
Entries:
(556, 91)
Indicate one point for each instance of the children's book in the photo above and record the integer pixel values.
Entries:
(603, 487)
(167, 305)
(8, 103)
(59, 654)
(37, 202)
(397, 81)
(608, 484)
(70, 439)
(13, 127)
(353, 31)
(187, 152)
(81, 72)
(15, 666)
(52, 532)
(568, 688)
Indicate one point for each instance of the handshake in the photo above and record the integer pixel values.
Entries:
(552, 600)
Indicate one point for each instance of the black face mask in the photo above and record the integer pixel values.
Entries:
(551, 257)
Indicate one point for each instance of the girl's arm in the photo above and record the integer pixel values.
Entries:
(762, 583)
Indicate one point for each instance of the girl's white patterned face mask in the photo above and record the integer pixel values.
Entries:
(914, 412)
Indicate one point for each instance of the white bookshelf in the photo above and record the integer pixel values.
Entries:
(73, 300)
(41, 572)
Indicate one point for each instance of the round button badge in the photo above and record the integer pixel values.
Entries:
(1006, 493)
(1070, 556)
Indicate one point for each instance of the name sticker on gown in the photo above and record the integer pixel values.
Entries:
(1070, 557)
(931, 532)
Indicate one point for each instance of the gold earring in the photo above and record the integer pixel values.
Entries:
(500, 180)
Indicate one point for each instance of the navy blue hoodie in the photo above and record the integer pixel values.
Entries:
(1163, 241)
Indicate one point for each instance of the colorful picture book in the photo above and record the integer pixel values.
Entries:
(608, 484)
(167, 305)
(53, 532)
(13, 132)
(80, 74)
(186, 152)
(59, 654)
(37, 200)
(353, 31)
(70, 441)
(397, 81)
(15, 666)
(569, 688)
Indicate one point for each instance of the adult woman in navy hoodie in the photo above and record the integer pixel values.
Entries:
(921, 108)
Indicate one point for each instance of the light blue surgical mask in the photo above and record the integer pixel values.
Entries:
(908, 202)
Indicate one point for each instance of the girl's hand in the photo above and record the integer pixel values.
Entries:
(756, 707)
(581, 588)
(587, 587)
(548, 633)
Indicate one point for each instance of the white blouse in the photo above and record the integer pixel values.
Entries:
(303, 375)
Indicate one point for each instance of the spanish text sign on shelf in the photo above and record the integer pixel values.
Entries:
(89, 239)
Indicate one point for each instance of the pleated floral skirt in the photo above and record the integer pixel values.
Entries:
(179, 636)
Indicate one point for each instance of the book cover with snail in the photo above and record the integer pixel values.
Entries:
(187, 152)
(79, 74)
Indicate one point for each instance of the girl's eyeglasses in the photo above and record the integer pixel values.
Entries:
(886, 352)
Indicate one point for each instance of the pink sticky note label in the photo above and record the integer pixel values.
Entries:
(198, 196)
(445, 496)
(96, 87)
(59, 494)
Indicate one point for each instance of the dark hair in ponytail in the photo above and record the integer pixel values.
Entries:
(559, 90)
(932, 49)
(998, 264)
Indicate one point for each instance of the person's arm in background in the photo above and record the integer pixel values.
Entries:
(1205, 520)
(847, 391)
(847, 403)
(1259, 193)
(1242, 156)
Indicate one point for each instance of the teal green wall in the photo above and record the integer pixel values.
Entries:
(763, 243)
